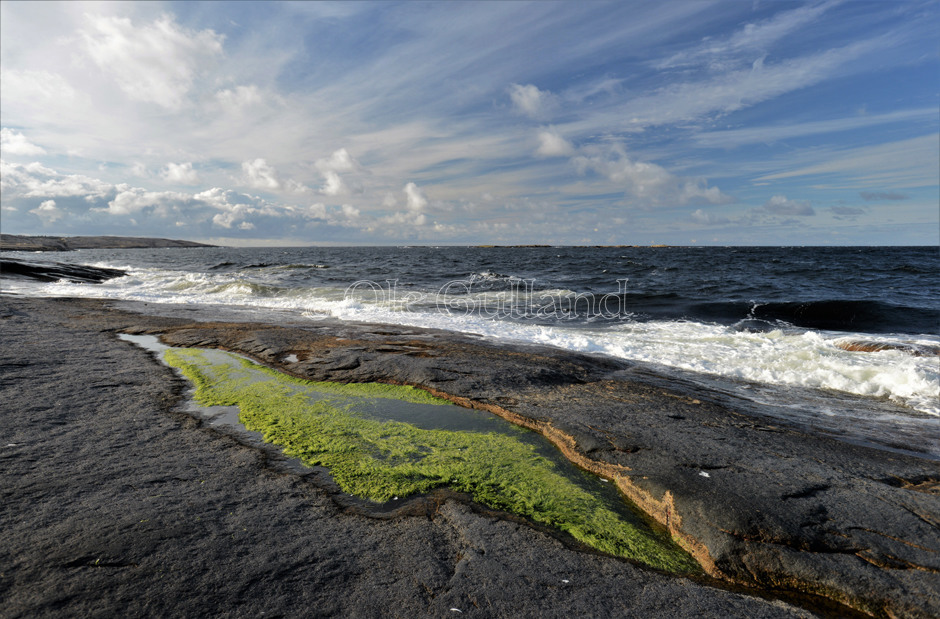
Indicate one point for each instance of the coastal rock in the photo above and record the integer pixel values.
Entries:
(16, 242)
(112, 503)
(917, 350)
(55, 271)
(758, 503)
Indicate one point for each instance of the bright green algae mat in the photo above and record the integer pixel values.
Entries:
(340, 426)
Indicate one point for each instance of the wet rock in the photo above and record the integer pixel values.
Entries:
(757, 501)
(55, 271)
(917, 350)
(112, 504)
(780, 508)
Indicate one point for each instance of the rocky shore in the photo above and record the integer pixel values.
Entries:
(114, 502)
(17, 242)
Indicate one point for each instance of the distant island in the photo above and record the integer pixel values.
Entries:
(594, 246)
(16, 242)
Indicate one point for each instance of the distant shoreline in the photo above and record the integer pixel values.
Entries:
(17, 242)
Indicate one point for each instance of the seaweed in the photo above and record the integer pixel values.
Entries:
(380, 460)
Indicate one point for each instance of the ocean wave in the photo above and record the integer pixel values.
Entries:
(771, 343)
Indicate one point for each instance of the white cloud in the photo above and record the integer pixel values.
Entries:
(239, 98)
(139, 169)
(339, 161)
(180, 173)
(530, 100)
(334, 184)
(415, 198)
(553, 145)
(14, 143)
(753, 37)
(34, 180)
(647, 181)
(259, 174)
(48, 212)
(155, 63)
(131, 200)
(737, 89)
(708, 219)
(404, 219)
(781, 205)
(33, 86)
(906, 163)
(295, 187)
(756, 135)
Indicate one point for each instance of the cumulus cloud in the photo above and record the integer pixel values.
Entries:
(339, 161)
(871, 196)
(333, 185)
(259, 174)
(415, 202)
(553, 145)
(48, 212)
(156, 62)
(405, 219)
(295, 187)
(34, 180)
(180, 173)
(781, 205)
(708, 219)
(415, 198)
(647, 181)
(529, 100)
(15, 143)
(131, 200)
(218, 207)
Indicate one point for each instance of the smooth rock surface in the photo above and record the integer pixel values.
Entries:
(756, 501)
(112, 504)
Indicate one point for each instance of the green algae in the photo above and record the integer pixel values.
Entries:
(321, 423)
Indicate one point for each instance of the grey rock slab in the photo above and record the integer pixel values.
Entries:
(113, 503)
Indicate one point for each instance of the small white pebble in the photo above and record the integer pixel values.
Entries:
(394, 498)
(604, 480)
(11, 444)
(564, 581)
(704, 474)
(456, 610)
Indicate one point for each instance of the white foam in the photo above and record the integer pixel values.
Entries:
(803, 358)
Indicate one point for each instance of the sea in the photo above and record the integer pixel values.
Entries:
(840, 340)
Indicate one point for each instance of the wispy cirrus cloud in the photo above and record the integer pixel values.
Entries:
(903, 164)
(155, 63)
(758, 36)
(502, 119)
(753, 135)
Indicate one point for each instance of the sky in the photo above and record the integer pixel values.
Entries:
(725, 122)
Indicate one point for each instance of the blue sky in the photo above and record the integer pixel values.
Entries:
(695, 122)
